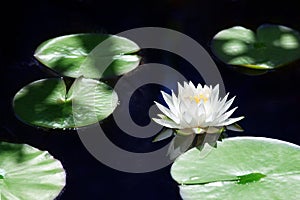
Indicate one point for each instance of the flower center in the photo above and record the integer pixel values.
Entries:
(199, 97)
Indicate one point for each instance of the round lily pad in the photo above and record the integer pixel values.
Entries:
(47, 103)
(28, 173)
(240, 168)
(272, 46)
(110, 55)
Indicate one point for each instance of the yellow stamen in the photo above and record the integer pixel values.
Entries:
(200, 97)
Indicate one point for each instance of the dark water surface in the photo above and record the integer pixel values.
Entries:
(269, 101)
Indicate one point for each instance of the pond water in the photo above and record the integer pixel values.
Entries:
(269, 102)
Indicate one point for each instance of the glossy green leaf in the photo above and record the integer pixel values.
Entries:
(270, 47)
(240, 168)
(47, 103)
(89, 55)
(28, 173)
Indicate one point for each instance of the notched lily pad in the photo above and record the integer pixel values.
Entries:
(47, 103)
(89, 55)
(239, 168)
(272, 46)
(28, 173)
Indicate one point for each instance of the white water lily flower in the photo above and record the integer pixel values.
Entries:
(196, 110)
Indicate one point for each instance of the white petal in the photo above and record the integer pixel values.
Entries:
(162, 116)
(235, 127)
(215, 94)
(167, 112)
(187, 117)
(180, 89)
(166, 97)
(185, 120)
(226, 106)
(223, 101)
(216, 88)
(217, 107)
(175, 102)
(192, 86)
(199, 86)
(226, 115)
(192, 111)
(201, 115)
(166, 123)
(183, 106)
(186, 86)
(206, 88)
(231, 121)
(169, 101)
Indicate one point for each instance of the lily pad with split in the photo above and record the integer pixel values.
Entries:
(271, 47)
(29, 173)
(47, 103)
(240, 168)
(89, 55)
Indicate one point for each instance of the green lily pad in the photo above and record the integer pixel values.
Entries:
(28, 173)
(240, 168)
(272, 46)
(108, 55)
(47, 103)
